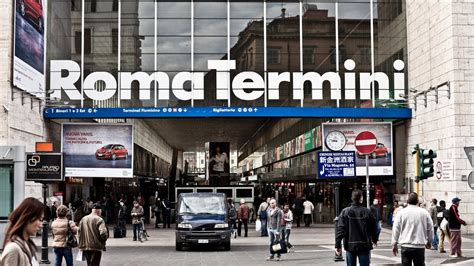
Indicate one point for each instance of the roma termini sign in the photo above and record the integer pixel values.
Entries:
(246, 86)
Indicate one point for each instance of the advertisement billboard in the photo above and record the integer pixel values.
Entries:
(344, 134)
(30, 46)
(218, 167)
(97, 150)
(44, 167)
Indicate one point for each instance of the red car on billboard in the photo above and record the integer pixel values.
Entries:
(380, 151)
(112, 152)
(33, 10)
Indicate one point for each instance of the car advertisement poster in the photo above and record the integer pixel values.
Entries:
(97, 150)
(341, 137)
(30, 46)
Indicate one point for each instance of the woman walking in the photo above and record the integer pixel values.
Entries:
(26, 220)
(61, 227)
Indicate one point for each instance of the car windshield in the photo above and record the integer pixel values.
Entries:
(108, 147)
(202, 205)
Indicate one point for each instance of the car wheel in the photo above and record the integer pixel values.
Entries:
(373, 155)
(179, 246)
(227, 246)
(113, 157)
(22, 9)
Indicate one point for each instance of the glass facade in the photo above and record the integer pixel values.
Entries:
(268, 38)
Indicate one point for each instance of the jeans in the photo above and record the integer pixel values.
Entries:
(434, 243)
(273, 238)
(136, 231)
(287, 238)
(307, 220)
(264, 227)
(93, 257)
(364, 258)
(413, 255)
(232, 225)
(63, 252)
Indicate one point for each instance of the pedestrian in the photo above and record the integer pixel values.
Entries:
(137, 215)
(443, 228)
(273, 226)
(286, 231)
(54, 207)
(298, 210)
(25, 221)
(320, 200)
(256, 204)
(262, 215)
(232, 215)
(413, 231)
(433, 211)
(391, 212)
(92, 235)
(455, 223)
(79, 212)
(157, 210)
(243, 215)
(122, 215)
(166, 211)
(308, 211)
(376, 212)
(357, 226)
(61, 227)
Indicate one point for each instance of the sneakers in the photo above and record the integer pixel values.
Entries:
(442, 251)
(278, 258)
(269, 258)
(453, 256)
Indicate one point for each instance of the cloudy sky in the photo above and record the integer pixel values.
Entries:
(210, 28)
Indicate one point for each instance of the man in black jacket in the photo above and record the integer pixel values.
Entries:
(357, 226)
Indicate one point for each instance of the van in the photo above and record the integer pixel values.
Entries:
(201, 218)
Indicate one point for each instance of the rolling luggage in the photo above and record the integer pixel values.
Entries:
(119, 232)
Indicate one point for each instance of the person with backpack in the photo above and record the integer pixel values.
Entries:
(262, 215)
(443, 218)
(232, 214)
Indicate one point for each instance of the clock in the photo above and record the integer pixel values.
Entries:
(335, 140)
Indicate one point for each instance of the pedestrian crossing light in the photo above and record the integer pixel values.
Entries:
(426, 164)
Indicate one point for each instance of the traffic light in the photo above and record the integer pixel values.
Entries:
(425, 164)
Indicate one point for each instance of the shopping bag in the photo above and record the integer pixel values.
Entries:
(258, 226)
(80, 256)
(280, 247)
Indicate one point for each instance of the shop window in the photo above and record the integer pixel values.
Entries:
(6, 191)
(273, 56)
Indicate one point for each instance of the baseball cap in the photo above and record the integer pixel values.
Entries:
(456, 200)
(96, 206)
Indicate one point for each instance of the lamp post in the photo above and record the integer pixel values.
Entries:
(44, 235)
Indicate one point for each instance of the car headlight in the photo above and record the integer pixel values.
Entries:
(185, 226)
(221, 226)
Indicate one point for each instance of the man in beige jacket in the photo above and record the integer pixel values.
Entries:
(93, 234)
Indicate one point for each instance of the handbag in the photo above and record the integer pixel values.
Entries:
(80, 256)
(280, 247)
(258, 225)
(71, 239)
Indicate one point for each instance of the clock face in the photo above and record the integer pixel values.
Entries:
(335, 140)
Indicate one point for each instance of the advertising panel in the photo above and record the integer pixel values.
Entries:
(218, 168)
(344, 134)
(336, 164)
(44, 167)
(98, 150)
(30, 46)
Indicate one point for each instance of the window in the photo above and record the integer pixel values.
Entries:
(273, 56)
(93, 5)
(342, 54)
(115, 5)
(87, 41)
(114, 41)
(365, 55)
(308, 55)
(6, 189)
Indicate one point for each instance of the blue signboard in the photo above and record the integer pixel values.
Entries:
(340, 164)
(170, 112)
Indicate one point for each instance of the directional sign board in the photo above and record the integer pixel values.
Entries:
(336, 164)
(365, 142)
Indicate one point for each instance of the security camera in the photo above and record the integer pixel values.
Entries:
(5, 107)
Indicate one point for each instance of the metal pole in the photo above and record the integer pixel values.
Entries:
(367, 179)
(44, 235)
(417, 170)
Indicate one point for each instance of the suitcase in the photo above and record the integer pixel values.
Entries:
(119, 232)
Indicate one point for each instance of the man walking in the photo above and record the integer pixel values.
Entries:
(377, 214)
(413, 230)
(443, 218)
(356, 225)
(137, 215)
(262, 215)
(92, 235)
(243, 217)
(308, 212)
(434, 217)
(166, 210)
(455, 223)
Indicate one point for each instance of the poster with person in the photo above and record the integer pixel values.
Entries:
(218, 163)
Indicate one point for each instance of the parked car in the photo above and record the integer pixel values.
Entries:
(201, 219)
(32, 10)
(112, 152)
(380, 151)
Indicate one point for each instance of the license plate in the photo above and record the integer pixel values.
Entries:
(203, 241)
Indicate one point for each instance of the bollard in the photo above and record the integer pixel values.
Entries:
(336, 256)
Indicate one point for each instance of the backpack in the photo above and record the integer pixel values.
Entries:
(232, 213)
